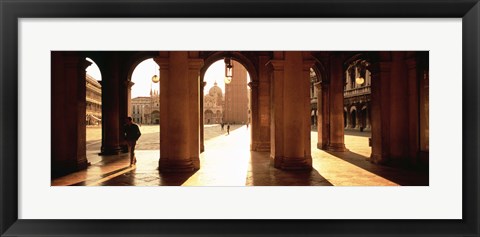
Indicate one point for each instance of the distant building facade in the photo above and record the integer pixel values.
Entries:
(213, 105)
(357, 96)
(236, 96)
(146, 109)
(93, 101)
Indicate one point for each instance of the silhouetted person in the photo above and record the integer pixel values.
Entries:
(131, 133)
(222, 124)
(228, 128)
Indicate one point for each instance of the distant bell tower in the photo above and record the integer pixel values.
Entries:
(236, 96)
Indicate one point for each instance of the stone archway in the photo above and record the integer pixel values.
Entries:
(246, 62)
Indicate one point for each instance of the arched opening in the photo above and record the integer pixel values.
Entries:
(353, 116)
(314, 90)
(209, 117)
(226, 106)
(357, 97)
(226, 103)
(144, 105)
(93, 118)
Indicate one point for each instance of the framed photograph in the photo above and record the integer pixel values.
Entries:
(400, 44)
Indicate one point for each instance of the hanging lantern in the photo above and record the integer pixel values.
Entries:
(155, 79)
(228, 70)
(359, 80)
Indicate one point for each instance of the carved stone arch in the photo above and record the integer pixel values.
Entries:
(240, 57)
(136, 59)
(320, 70)
(97, 59)
(353, 108)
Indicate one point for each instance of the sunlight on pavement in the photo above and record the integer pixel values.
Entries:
(228, 161)
(224, 167)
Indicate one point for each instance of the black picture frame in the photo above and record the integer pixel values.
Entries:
(11, 11)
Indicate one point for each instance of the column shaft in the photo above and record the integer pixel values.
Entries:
(291, 115)
(110, 108)
(336, 142)
(68, 113)
(180, 112)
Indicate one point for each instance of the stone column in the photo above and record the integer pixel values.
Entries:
(358, 115)
(291, 113)
(125, 108)
(194, 112)
(129, 85)
(379, 116)
(307, 149)
(261, 132)
(179, 112)
(349, 119)
(110, 107)
(336, 141)
(68, 113)
(202, 96)
(254, 125)
(399, 109)
(367, 118)
(322, 119)
(276, 124)
(413, 111)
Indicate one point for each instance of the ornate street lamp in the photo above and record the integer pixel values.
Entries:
(359, 80)
(361, 65)
(155, 78)
(228, 70)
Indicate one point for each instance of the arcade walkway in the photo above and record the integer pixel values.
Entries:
(227, 161)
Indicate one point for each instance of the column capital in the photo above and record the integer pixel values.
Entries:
(129, 84)
(307, 64)
(277, 65)
(163, 63)
(195, 63)
(86, 64)
(378, 67)
(411, 63)
(253, 85)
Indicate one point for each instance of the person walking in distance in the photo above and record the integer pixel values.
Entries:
(228, 129)
(131, 133)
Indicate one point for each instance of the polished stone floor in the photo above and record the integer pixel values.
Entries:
(227, 161)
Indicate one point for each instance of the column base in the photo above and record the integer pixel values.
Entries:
(260, 146)
(292, 163)
(336, 147)
(178, 165)
(62, 168)
(108, 151)
(322, 146)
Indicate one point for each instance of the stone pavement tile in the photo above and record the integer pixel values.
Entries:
(227, 161)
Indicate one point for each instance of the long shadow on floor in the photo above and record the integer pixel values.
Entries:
(401, 176)
(262, 173)
(134, 178)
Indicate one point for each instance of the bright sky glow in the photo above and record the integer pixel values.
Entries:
(93, 70)
(142, 76)
(215, 73)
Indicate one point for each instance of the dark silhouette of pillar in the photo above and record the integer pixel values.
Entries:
(68, 113)
(179, 111)
(290, 148)
(336, 140)
(111, 106)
